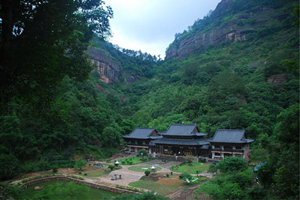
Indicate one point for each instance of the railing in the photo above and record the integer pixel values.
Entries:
(228, 150)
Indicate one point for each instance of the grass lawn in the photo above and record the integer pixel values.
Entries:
(158, 182)
(161, 189)
(132, 160)
(93, 193)
(197, 166)
(95, 171)
(142, 168)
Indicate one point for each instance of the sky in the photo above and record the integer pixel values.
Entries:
(150, 25)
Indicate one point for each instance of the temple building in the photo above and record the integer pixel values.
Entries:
(230, 142)
(187, 140)
(140, 139)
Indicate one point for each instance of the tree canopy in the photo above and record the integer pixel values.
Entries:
(43, 41)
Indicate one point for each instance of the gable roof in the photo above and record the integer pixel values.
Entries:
(142, 133)
(183, 130)
(230, 136)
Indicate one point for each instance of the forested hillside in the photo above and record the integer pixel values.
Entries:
(243, 73)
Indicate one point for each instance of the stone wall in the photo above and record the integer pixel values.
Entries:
(66, 178)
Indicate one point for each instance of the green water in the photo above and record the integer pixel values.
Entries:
(93, 194)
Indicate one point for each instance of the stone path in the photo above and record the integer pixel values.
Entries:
(128, 176)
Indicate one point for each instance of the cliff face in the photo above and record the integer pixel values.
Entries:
(108, 69)
(223, 26)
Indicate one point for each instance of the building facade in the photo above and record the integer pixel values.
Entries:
(140, 139)
(187, 140)
(230, 142)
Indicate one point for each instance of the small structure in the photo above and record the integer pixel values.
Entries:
(230, 142)
(153, 168)
(117, 163)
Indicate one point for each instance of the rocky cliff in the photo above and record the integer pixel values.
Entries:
(108, 69)
(225, 25)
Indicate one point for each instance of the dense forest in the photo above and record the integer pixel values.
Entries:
(53, 105)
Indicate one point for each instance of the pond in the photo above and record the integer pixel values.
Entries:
(90, 193)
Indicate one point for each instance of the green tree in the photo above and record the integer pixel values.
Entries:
(142, 152)
(232, 164)
(10, 133)
(226, 190)
(10, 166)
(280, 177)
(79, 163)
(49, 39)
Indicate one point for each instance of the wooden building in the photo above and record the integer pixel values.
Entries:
(230, 142)
(140, 139)
(187, 140)
(181, 140)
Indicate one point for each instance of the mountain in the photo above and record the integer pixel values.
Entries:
(238, 62)
(230, 22)
(236, 68)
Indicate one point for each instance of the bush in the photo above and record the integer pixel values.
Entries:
(212, 168)
(142, 151)
(232, 164)
(79, 163)
(54, 169)
(185, 176)
(147, 172)
(9, 166)
(257, 192)
(111, 167)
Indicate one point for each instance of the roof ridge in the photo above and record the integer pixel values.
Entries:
(143, 128)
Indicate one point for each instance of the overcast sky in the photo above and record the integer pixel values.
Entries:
(150, 25)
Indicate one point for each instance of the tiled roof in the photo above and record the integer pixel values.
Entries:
(183, 130)
(230, 136)
(184, 142)
(142, 133)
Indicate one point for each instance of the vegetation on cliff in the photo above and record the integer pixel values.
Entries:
(250, 83)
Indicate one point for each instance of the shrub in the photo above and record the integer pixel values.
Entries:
(185, 176)
(142, 151)
(232, 164)
(79, 163)
(111, 167)
(212, 168)
(54, 169)
(147, 172)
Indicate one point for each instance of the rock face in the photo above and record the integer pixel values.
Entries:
(223, 31)
(108, 69)
(278, 79)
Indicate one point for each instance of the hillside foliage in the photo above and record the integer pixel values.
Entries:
(250, 84)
